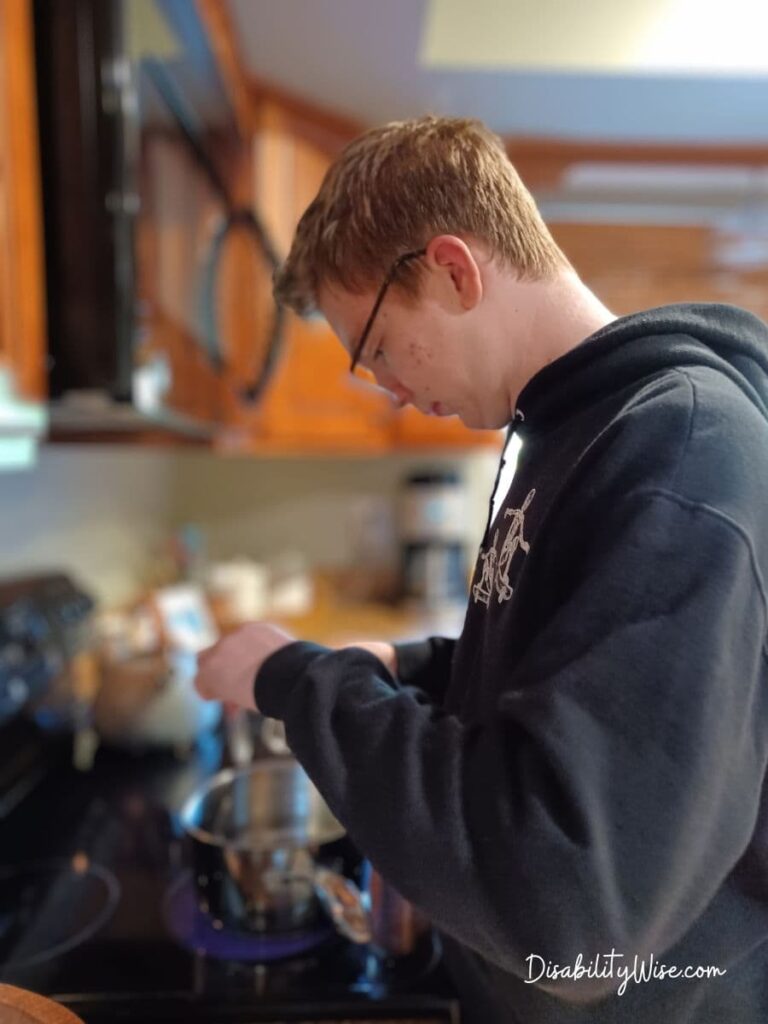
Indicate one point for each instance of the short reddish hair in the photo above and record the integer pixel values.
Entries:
(398, 185)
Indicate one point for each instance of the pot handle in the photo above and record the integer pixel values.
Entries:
(345, 904)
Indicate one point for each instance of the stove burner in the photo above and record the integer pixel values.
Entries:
(47, 908)
(198, 933)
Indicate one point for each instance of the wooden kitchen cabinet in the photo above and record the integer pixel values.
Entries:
(639, 266)
(631, 258)
(411, 429)
(22, 302)
(312, 403)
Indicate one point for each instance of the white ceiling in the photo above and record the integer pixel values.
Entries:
(634, 36)
(665, 70)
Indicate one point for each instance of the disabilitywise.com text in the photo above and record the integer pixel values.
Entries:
(611, 965)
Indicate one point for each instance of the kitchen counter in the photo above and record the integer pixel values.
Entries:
(334, 620)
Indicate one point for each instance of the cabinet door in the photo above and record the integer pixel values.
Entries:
(639, 266)
(312, 402)
(412, 429)
(22, 310)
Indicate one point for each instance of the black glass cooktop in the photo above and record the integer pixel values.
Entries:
(97, 909)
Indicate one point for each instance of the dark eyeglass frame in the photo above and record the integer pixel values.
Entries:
(391, 273)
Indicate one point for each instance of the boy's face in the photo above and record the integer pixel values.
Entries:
(427, 352)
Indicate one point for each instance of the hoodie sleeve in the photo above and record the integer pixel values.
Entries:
(618, 781)
(426, 664)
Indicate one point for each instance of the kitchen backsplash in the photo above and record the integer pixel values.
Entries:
(97, 512)
(104, 512)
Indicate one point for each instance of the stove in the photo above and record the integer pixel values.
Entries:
(98, 907)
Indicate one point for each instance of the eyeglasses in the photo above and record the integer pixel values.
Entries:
(391, 273)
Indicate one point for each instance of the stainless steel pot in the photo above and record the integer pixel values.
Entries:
(254, 832)
(398, 928)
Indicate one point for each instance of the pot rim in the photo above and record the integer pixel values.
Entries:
(225, 777)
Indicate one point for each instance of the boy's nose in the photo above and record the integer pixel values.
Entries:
(399, 392)
(401, 395)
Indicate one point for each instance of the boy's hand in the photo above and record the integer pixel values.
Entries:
(227, 671)
(383, 651)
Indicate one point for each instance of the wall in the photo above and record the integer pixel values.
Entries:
(104, 512)
(98, 512)
(316, 506)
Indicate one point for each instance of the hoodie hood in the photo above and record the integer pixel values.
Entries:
(635, 347)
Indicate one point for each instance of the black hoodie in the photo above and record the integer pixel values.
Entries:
(578, 780)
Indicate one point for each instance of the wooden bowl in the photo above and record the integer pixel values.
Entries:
(18, 1006)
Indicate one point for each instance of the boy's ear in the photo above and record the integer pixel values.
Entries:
(453, 254)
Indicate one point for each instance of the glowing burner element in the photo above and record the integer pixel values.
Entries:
(80, 863)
